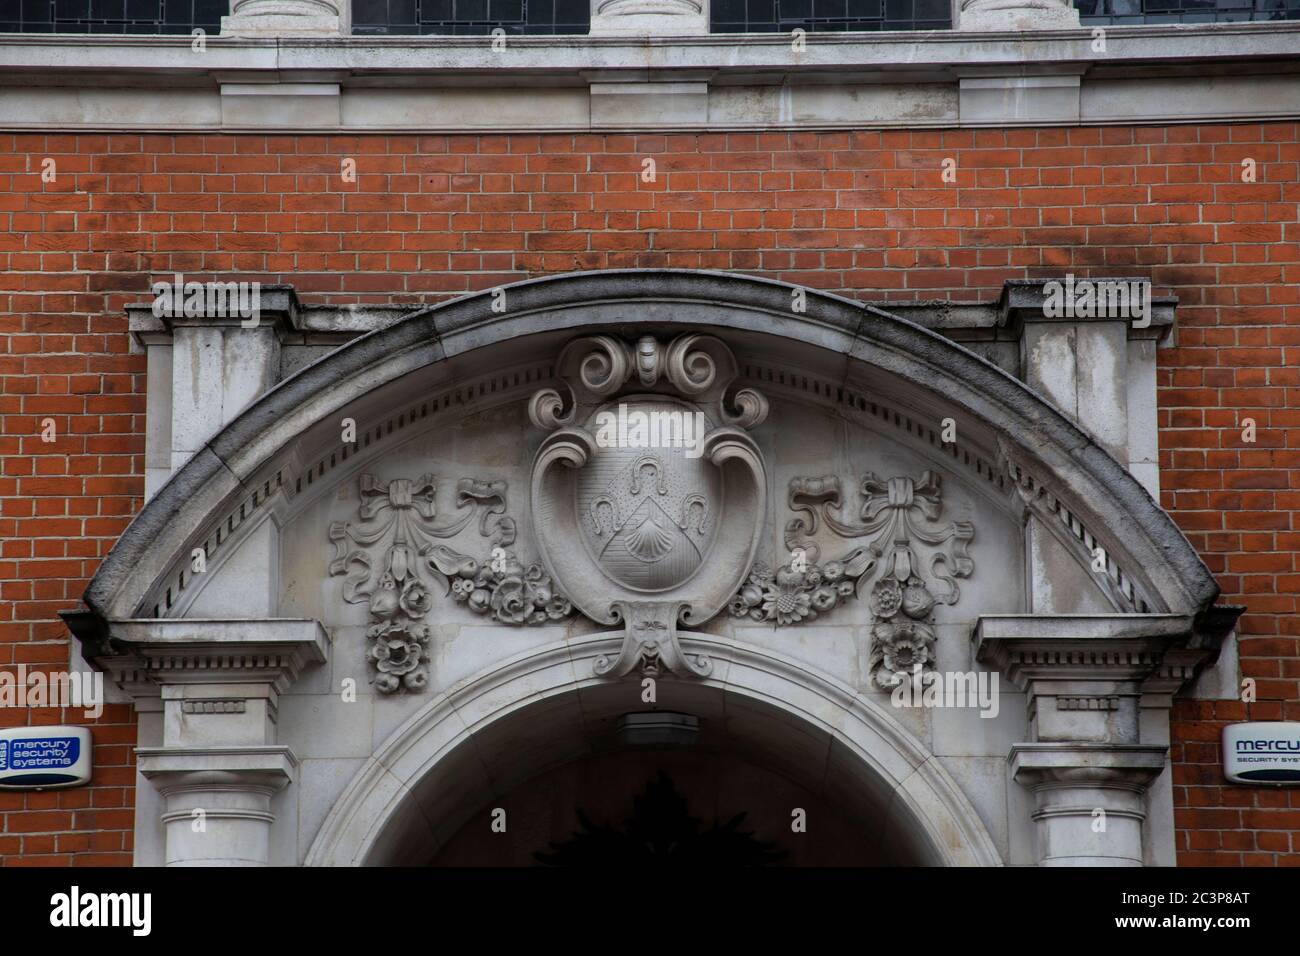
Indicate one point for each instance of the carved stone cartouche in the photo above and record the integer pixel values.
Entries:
(648, 496)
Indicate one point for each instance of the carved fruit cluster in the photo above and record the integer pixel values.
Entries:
(793, 593)
(510, 592)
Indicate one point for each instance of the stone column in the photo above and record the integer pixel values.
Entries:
(1098, 691)
(1016, 15)
(217, 801)
(658, 18)
(219, 765)
(288, 18)
(1089, 800)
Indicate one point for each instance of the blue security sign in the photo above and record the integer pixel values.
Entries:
(36, 758)
(1262, 752)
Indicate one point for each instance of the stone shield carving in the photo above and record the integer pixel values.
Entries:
(646, 511)
(648, 497)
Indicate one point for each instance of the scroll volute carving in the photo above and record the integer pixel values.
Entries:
(697, 367)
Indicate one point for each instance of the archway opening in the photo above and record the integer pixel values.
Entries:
(667, 808)
(707, 775)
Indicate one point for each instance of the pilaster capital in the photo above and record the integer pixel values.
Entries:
(264, 770)
(1131, 767)
(278, 309)
(1025, 301)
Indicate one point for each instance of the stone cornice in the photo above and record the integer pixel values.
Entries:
(1155, 43)
(1001, 321)
(1071, 656)
(143, 654)
(1159, 73)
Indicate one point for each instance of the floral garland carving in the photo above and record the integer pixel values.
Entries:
(898, 515)
(795, 592)
(401, 527)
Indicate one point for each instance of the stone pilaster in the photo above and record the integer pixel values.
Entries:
(1098, 689)
(218, 766)
(1101, 372)
(203, 370)
(1085, 366)
(1089, 800)
(217, 801)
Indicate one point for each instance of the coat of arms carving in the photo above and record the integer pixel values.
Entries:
(649, 495)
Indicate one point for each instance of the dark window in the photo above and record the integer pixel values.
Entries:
(1185, 11)
(466, 17)
(112, 16)
(782, 16)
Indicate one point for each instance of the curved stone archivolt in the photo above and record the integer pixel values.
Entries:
(862, 515)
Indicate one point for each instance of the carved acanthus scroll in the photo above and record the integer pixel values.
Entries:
(393, 558)
(901, 517)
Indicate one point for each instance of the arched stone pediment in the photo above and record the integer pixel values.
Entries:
(850, 352)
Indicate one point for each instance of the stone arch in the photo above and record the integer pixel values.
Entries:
(413, 787)
(243, 466)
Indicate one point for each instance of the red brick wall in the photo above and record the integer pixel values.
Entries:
(866, 214)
